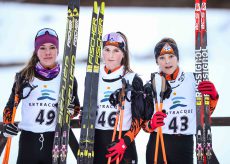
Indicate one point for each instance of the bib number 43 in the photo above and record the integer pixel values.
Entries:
(173, 125)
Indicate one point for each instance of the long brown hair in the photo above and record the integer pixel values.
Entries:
(28, 71)
(125, 61)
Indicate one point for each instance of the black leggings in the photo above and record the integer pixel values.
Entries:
(102, 139)
(179, 149)
(33, 150)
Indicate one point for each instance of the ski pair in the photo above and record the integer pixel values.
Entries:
(159, 108)
(204, 149)
(86, 148)
(61, 136)
(119, 116)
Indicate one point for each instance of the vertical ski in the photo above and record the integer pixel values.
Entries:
(61, 136)
(86, 150)
(207, 138)
(203, 136)
(69, 92)
(198, 78)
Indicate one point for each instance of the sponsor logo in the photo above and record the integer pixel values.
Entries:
(177, 102)
(106, 95)
(46, 94)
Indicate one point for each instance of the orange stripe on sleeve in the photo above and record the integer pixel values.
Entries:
(134, 129)
(213, 104)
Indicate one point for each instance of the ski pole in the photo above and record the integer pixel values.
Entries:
(8, 144)
(159, 135)
(119, 116)
(159, 108)
(122, 107)
(163, 88)
(114, 132)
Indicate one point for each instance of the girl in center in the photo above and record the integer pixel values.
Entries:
(115, 55)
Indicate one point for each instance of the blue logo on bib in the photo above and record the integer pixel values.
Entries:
(46, 95)
(106, 96)
(177, 102)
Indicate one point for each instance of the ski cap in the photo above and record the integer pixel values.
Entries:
(114, 39)
(46, 35)
(166, 46)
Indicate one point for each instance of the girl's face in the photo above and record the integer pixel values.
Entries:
(167, 63)
(112, 56)
(47, 55)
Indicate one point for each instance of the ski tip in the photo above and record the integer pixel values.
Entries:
(76, 11)
(204, 1)
(102, 9)
(95, 7)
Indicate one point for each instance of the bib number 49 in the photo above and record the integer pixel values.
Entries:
(48, 119)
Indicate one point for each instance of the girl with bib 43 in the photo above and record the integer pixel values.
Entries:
(180, 123)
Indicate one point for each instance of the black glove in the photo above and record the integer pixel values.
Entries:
(10, 130)
(149, 95)
(148, 90)
(114, 97)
